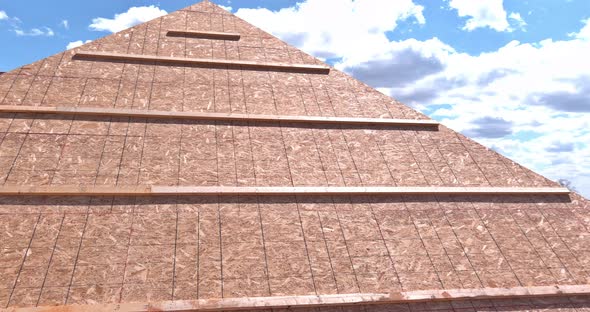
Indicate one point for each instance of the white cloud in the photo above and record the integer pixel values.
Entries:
(482, 13)
(325, 28)
(35, 32)
(518, 20)
(520, 99)
(65, 24)
(75, 44)
(487, 13)
(133, 16)
(15, 24)
(227, 8)
(12, 20)
(584, 33)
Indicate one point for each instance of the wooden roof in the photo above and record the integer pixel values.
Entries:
(196, 157)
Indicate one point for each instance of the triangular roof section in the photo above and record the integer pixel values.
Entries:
(64, 81)
(196, 157)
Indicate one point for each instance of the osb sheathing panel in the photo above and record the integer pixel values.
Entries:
(87, 250)
(52, 150)
(60, 81)
(101, 249)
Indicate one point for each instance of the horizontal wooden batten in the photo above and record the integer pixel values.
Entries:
(115, 112)
(300, 68)
(204, 34)
(154, 190)
(316, 301)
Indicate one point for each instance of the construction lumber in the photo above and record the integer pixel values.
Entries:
(155, 114)
(315, 301)
(204, 34)
(179, 61)
(154, 190)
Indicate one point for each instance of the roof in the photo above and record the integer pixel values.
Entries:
(164, 167)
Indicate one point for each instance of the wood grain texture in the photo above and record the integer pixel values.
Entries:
(139, 238)
(247, 65)
(204, 34)
(147, 190)
(342, 300)
(113, 112)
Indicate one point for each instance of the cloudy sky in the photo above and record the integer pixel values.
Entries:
(512, 74)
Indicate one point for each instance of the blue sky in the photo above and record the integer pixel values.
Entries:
(545, 19)
(512, 74)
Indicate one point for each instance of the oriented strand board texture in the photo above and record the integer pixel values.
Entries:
(85, 250)
(45, 150)
(38, 150)
(96, 249)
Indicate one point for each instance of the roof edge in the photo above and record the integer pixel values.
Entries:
(264, 303)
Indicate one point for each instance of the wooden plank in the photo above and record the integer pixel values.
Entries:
(114, 112)
(384, 190)
(342, 300)
(247, 65)
(146, 190)
(204, 34)
(75, 190)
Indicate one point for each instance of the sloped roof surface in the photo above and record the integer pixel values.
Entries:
(111, 249)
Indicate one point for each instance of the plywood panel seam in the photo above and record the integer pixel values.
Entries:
(14, 78)
(50, 260)
(15, 285)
